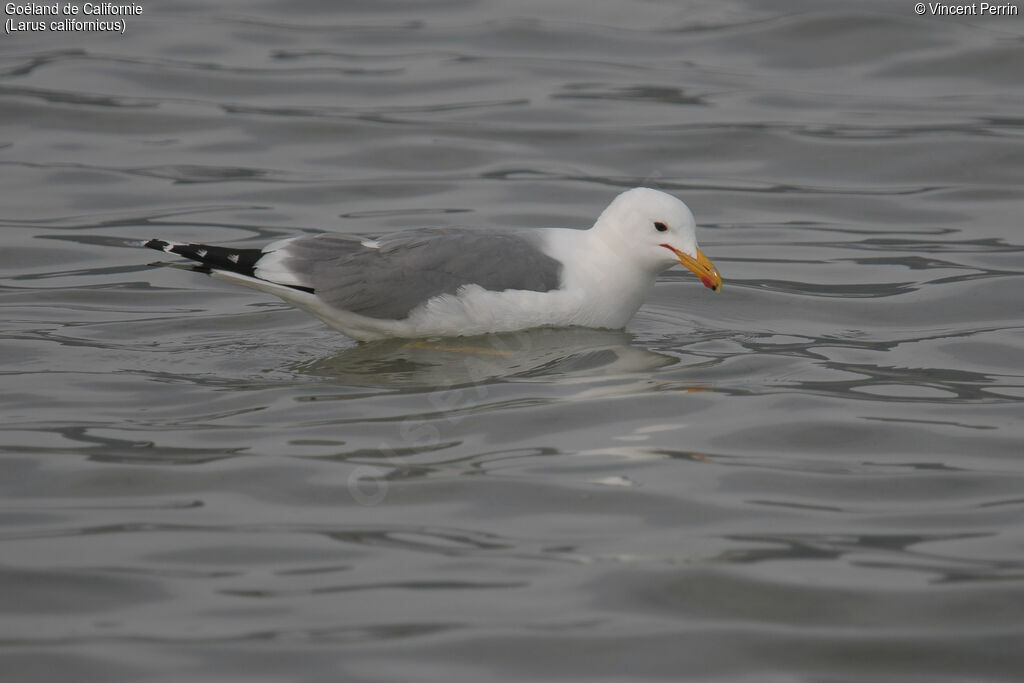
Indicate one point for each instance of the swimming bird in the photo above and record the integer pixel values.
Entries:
(436, 282)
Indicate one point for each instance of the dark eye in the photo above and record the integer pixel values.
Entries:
(660, 227)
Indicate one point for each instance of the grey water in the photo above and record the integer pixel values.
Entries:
(816, 475)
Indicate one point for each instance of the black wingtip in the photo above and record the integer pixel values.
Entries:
(210, 258)
(242, 261)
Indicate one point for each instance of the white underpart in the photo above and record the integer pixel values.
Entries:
(472, 310)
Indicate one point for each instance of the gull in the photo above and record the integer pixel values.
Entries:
(453, 281)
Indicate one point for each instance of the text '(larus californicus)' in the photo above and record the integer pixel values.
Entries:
(439, 282)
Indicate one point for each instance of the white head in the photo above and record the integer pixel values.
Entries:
(656, 231)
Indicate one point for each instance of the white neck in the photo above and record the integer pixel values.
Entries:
(608, 288)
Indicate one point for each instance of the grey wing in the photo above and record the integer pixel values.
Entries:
(389, 277)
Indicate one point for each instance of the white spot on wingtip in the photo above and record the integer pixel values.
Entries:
(201, 253)
(233, 258)
(370, 244)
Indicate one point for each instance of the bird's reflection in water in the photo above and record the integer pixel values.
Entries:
(539, 353)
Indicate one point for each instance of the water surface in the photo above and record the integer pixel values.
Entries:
(813, 476)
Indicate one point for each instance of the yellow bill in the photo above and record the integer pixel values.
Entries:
(701, 266)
